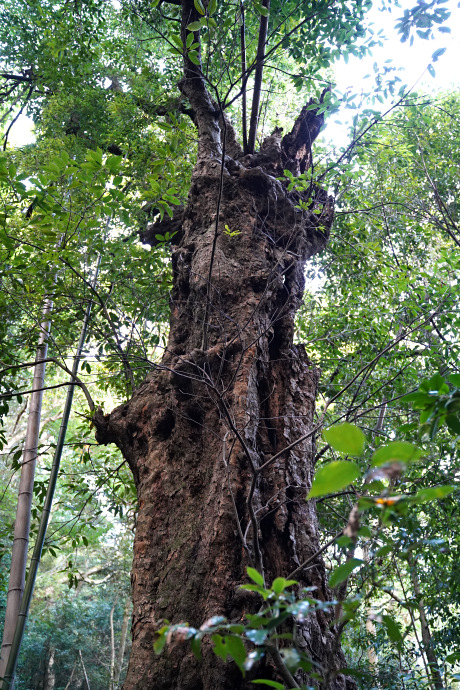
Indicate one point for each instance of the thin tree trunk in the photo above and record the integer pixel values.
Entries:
(122, 646)
(25, 493)
(414, 628)
(84, 670)
(425, 629)
(71, 677)
(244, 116)
(112, 648)
(258, 76)
(50, 674)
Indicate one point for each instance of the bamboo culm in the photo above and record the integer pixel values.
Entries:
(25, 492)
(9, 674)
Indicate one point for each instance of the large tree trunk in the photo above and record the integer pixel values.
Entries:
(232, 391)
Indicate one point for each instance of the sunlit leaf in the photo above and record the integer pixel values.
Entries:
(333, 477)
(345, 438)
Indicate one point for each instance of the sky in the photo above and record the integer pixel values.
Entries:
(413, 60)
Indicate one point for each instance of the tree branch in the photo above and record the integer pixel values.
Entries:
(259, 71)
(76, 380)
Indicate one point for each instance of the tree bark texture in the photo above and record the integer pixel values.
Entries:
(198, 430)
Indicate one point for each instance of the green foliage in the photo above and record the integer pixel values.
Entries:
(343, 571)
(248, 642)
(345, 438)
(333, 477)
(99, 78)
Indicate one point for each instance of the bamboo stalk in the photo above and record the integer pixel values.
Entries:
(10, 671)
(26, 485)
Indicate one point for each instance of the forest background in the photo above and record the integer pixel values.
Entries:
(113, 151)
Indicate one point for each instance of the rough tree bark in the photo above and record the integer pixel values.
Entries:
(231, 392)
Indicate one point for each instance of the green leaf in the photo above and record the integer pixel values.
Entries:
(344, 542)
(437, 54)
(454, 380)
(433, 493)
(199, 6)
(230, 645)
(333, 477)
(436, 383)
(345, 438)
(193, 57)
(160, 641)
(453, 422)
(212, 7)
(392, 629)
(341, 573)
(195, 644)
(269, 683)
(401, 451)
(384, 550)
(194, 26)
(256, 588)
(280, 584)
(291, 659)
(175, 38)
(419, 399)
(237, 650)
(220, 649)
(255, 576)
(256, 636)
(261, 9)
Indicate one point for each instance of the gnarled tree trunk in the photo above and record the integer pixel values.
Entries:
(232, 391)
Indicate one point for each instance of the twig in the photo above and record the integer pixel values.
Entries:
(315, 555)
(77, 380)
(281, 667)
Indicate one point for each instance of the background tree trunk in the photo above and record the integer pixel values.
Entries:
(50, 673)
(197, 431)
(122, 645)
(112, 648)
(425, 628)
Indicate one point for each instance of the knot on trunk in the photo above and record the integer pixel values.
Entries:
(164, 229)
(104, 434)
